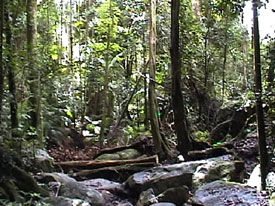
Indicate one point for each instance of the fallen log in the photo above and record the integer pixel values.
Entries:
(95, 164)
(115, 173)
(208, 153)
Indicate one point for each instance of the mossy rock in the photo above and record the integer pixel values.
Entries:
(121, 155)
(128, 154)
(114, 156)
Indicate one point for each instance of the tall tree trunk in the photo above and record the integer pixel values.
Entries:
(258, 94)
(105, 92)
(183, 137)
(224, 61)
(270, 75)
(146, 122)
(1, 58)
(11, 77)
(70, 34)
(153, 107)
(60, 36)
(206, 70)
(34, 73)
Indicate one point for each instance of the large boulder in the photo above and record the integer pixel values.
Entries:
(67, 187)
(213, 170)
(162, 178)
(219, 193)
(81, 191)
(176, 195)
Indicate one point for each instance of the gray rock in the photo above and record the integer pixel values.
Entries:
(62, 201)
(54, 177)
(103, 184)
(219, 193)
(163, 204)
(162, 178)
(176, 195)
(43, 161)
(213, 170)
(147, 198)
(81, 191)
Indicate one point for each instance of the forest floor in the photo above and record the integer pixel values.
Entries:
(244, 149)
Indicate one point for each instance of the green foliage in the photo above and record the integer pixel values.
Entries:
(135, 131)
(217, 144)
(201, 136)
(90, 127)
(67, 83)
(32, 199)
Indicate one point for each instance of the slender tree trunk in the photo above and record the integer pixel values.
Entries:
(11, 77)
(270, 75)
(70, 36)
(245, 53)
(105, 92)
(258, 94)
(206, 72)
(61, 31)
(1, 58)
(183, 137)
(153, 107)
(223, 70)
(88, 34)
(224, 62)
(146, 122)
(34, 73)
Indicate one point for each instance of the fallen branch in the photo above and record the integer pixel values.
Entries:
(95, 164)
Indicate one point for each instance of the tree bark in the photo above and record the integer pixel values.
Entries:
(95, 164)
(206, 61)
(106, 82)
(11, 77)
(1, 57)
(224, 61)
(154, 120)
(146, 122)
(11, 168)
(258, 95)
(182, 132)
(34, 73)
(270, 75)
(70, 34)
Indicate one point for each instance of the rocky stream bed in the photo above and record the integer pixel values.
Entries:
(208, 182)
(132, 175)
